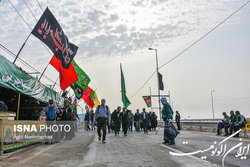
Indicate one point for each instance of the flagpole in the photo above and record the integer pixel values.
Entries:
(43, 72)
(55, 82)
(21, 48)
(157, 71)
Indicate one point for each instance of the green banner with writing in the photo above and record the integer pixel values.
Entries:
(83, 78)
(14, 78)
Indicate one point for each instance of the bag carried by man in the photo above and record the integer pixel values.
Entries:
(171, 131)
(51, 113)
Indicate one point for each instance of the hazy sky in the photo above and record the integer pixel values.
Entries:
(112, 32)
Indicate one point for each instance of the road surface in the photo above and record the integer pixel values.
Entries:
(136, 149)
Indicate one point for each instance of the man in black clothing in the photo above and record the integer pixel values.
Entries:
(224, 123)
(137, 117)
(154, 121)
(116, 118)
(145, 120)
(178, 120)
(125, 120)
(87, 119)
(92, 120)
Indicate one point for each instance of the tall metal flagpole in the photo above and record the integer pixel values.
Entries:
(157, 70)
(21, 49)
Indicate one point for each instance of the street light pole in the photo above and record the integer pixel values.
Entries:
(212, 99)
(157, 79)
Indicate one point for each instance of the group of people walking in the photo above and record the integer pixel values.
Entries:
(141, 121)
(120, 118)
(125, 119)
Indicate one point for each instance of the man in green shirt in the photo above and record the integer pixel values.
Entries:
(167, 116)
(233, 119)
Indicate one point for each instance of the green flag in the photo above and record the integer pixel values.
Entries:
(125, 100)
(83, 78)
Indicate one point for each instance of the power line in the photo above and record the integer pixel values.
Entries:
(143, 84)
(31, 29)
(20, 60)
(30, 9)
(39, 5)
(23, 62)
(19, 14)
(205, 35)
(190, 46)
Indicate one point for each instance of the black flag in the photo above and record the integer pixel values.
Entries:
(161, 85)
(49, 31)
(77, 90)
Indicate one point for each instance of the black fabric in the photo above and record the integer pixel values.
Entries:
(49, 31)
(77, 90)
(170, 131)
(161, 85)
(102, 124)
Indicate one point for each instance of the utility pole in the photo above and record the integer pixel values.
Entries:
(157, 71)
(212, 99)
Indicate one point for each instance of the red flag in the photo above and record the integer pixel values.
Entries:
(67, 76)
(87, 98)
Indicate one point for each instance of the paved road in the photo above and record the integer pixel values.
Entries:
(200, 141)
(132, 150)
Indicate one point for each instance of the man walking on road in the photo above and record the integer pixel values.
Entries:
(116, 117)
(137, 118)
(178, 120)
(102, 116)
(145, 120)
(125, 121)
(167, 116)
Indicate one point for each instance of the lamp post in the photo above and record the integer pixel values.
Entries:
(157, 79)
(212, 99)
(172, 106)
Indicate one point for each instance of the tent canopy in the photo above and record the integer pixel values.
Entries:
(14, 78)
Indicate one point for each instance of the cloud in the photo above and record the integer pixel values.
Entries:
(117, 28)
(113, 17)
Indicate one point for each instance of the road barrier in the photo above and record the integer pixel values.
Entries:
(202, 125)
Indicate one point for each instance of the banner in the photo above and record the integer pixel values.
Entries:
(147, 100)
(67, 76)
(87, 95)
(161, 85)
(14, 78)
(95, 99)
(83, 78)
(49, 31)
(77, 90)
(125, 100)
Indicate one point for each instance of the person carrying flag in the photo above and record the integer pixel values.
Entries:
(167, 116)
(102, 116)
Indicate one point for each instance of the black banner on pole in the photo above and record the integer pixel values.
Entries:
(49, 31)
(161, 85)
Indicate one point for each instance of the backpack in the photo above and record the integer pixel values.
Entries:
(51, 113)
(171, 131)
(97, 109)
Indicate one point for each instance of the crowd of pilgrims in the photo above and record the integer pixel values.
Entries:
(125, 120)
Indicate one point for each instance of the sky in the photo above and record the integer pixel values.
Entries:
(111, 32)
